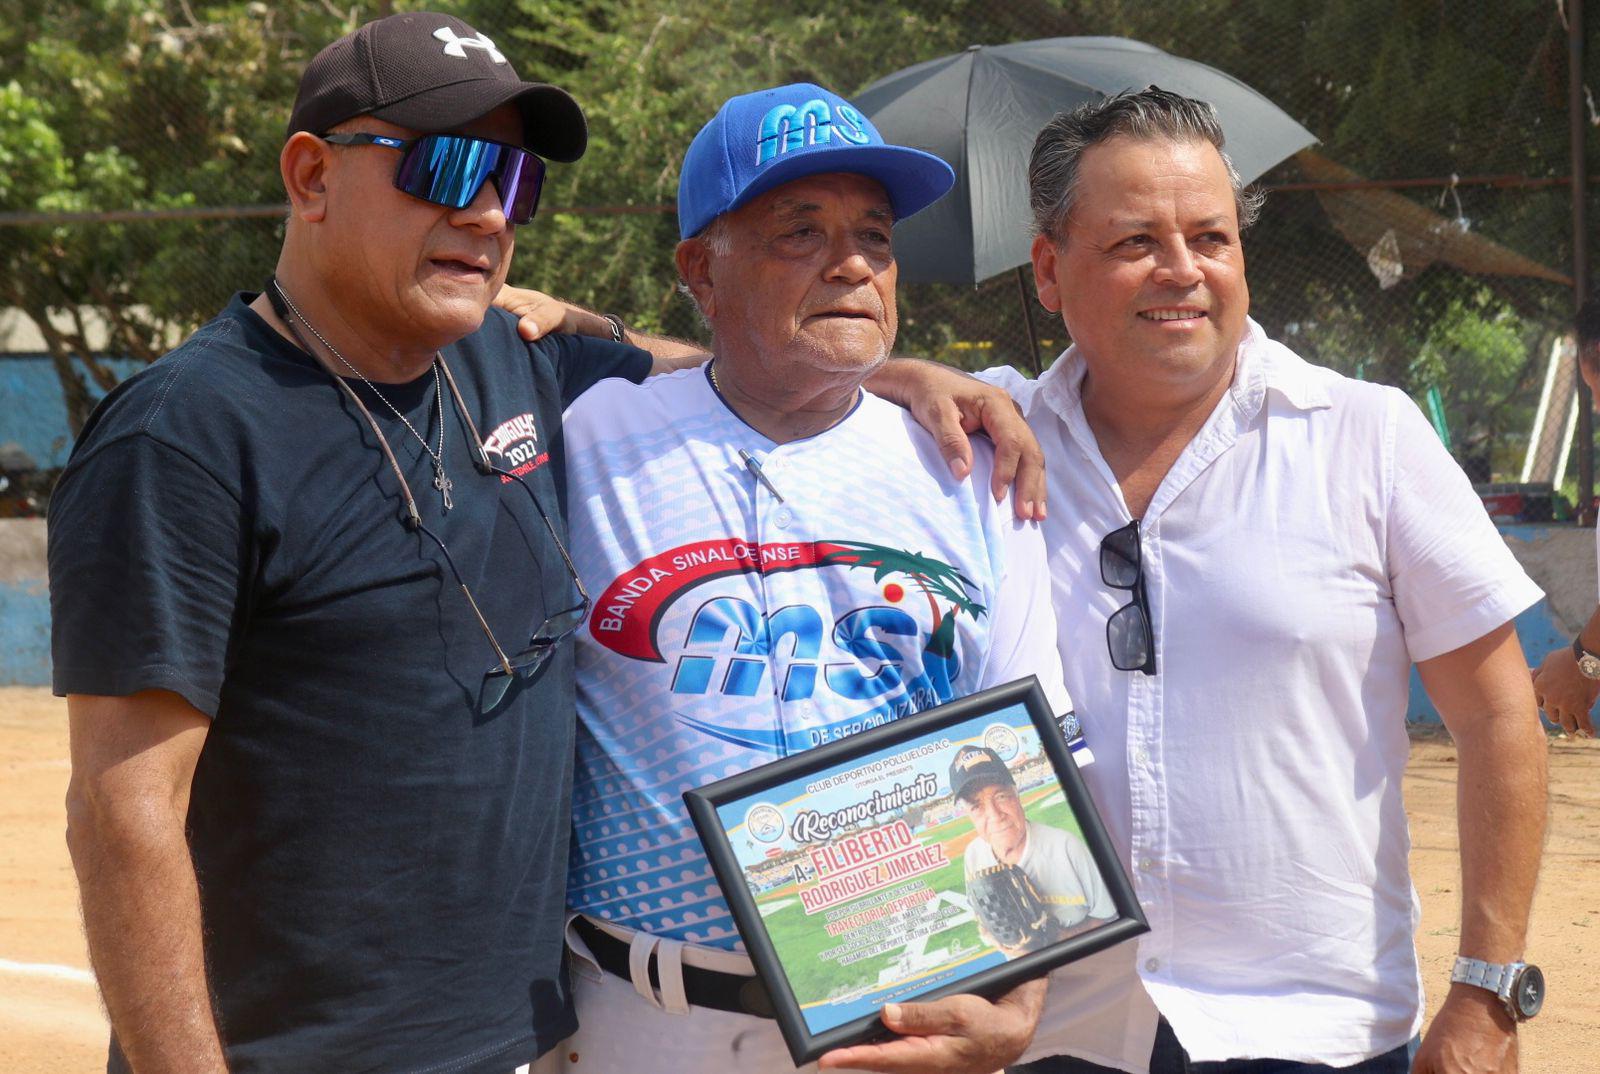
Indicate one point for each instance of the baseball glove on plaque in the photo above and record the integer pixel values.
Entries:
(1009, 908)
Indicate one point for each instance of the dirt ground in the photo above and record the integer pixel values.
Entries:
(50, 1017)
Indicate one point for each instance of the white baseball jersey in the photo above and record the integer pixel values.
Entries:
(731, 627)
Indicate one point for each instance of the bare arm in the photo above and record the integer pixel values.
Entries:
(951, 404)
(133, 759)
(1483, 692)
(539, 314)
(1565, 695)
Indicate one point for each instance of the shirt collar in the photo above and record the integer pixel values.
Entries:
(1264, 366)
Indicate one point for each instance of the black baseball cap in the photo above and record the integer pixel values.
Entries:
(432, 73)
(977, 766)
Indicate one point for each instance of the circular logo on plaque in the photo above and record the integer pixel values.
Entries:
(1001, 739)
(764, 822)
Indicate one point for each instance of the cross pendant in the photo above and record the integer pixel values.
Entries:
(443, 484)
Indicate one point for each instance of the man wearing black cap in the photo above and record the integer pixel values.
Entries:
(309, 595)
(1061, 874)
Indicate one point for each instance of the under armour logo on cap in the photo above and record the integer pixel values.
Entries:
(415, 70)
(457, 46)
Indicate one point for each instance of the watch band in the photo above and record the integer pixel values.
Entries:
(619, 331)
(1494, 976)
(1518, 986)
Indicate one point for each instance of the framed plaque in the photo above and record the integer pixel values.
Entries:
(955, 850)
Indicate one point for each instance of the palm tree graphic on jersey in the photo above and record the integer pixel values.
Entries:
(936, 579)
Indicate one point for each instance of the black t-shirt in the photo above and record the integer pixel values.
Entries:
(381, 862)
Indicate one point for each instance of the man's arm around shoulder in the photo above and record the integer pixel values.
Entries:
(1483, 692)
(951, 404)
(539, 314)
(133, 760)
(948, 403)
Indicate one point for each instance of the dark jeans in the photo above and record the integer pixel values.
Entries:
(1168, 1057)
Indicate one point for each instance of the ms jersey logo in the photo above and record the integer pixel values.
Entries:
(887, 659)
(515, 446)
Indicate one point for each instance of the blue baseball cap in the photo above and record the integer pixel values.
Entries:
(758, 141)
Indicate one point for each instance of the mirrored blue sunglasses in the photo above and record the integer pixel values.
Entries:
(450, 169)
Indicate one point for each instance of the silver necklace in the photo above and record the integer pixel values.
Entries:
(441, 480)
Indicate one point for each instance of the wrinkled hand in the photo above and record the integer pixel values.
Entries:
(954, 1035)
(1564, 694)
(950, 405)
(1471, 1034)
(538, 314)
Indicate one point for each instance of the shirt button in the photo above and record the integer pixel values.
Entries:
(1141, 755)
(1151, 965)
(783, 517)
(1147, 864)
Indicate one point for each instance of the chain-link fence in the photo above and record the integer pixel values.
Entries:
(1427, 241)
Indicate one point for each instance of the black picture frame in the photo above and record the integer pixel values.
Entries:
(740, 796)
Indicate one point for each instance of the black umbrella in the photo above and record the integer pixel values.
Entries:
(981, 110)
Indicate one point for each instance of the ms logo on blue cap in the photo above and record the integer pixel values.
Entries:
(759, 141)
(787, 127)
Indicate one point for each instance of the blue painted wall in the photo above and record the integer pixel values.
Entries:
(24, 634)
(33, 414)
(24, 603)
(25, 614)
(33, 417)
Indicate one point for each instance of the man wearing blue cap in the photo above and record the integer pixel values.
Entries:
(777, 560)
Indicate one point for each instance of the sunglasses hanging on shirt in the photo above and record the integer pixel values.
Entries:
(1129, 633)
(450, 170)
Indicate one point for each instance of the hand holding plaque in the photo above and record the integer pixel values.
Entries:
(914, 869)
(960, 1034)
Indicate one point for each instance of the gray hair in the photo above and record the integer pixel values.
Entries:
(1149, 113)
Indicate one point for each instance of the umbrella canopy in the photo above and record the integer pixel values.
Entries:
(981, 110)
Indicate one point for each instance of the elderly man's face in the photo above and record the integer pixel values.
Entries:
(996, 812)
(1149, 274)
(809, 277)
(424, 272)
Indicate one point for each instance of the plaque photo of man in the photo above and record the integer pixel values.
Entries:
(1030, 883)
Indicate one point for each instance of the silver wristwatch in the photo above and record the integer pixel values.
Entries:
(1519, 985)
(1588, 663)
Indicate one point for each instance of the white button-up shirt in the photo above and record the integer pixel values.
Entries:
(1310, 543)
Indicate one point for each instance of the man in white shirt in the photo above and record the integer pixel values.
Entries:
(1248, 553)
(777, 560)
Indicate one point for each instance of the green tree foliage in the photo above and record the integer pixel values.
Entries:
(649, 75)
(167, 104)
(140, 105)
(1480, 355)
